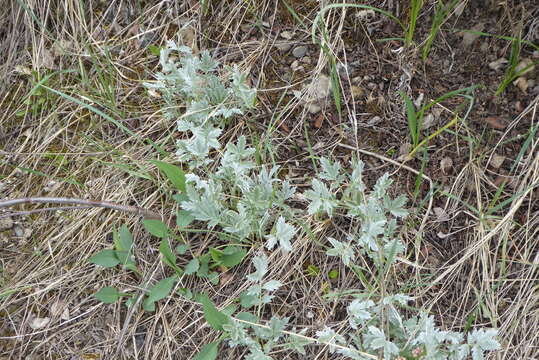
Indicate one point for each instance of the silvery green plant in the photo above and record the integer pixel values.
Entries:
(244, 330)
(378, 326)
(373, 214)
(239, 197)
(190, 82)
(242, 199)
(259, 293)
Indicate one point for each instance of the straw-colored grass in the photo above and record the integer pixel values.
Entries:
(485, 274)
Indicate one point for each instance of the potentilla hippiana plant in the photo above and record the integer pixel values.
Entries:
(250, 203)
(378, 328)
(198, 100)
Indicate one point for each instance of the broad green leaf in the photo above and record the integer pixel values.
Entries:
(168, 256)
(247, 301)
(333, 274)
(159, 291)
(229, 310)
(154, 50)
(108, 295)
(186, 293)
(247, 316)
(173, 173)
(214, 317)
(208, 352)
(213, 277)
(233, 258)
(204, 265)
(123, 239)
(192, 266)
(148, 306)
(123, 242)
(156, 227)
(105, 258)
(130, 302)
(216, 255)
(184, 219)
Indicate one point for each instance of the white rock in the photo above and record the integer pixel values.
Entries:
(38, 323)
(497, 64)
(525, 65)
(468, 38)
(295, 66)
(428, 121)
(6, 223)
(441, 214)
(288, 35)
(446, 164)
(497, 161)
(320, 87)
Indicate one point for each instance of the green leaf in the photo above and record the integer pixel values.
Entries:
(213, 277)
(173, 173)
(247, 301)
(192, 267)
(154, 50)
(333, 274)
(156, 227)
(208, 352)
(247, 316)
(108, 295)
(313, 270)
(186, 293)
(105, 258)
(413, 121)
(179, 198)
(184, 219)
(214, 317)
(204, 265)
(182, 248)
(216, 255)
(229, 310)
(123, 240)
(168, 256)
(159, 291)
(130, 302)
(232, 258)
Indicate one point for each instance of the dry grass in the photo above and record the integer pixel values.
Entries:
(487, 274)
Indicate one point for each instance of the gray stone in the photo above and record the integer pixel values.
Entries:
(299, 51)
(284, 47)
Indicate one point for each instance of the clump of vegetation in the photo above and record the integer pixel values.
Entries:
(250, 204)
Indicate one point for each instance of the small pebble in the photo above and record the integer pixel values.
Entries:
(287, 35)
(299, 51)
(295, 66)
(19, 232)
(497, 161)
(6, 223)
(375, 120)
(371, 86)
(284, 47)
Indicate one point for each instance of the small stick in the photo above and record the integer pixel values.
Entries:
(86, 203)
